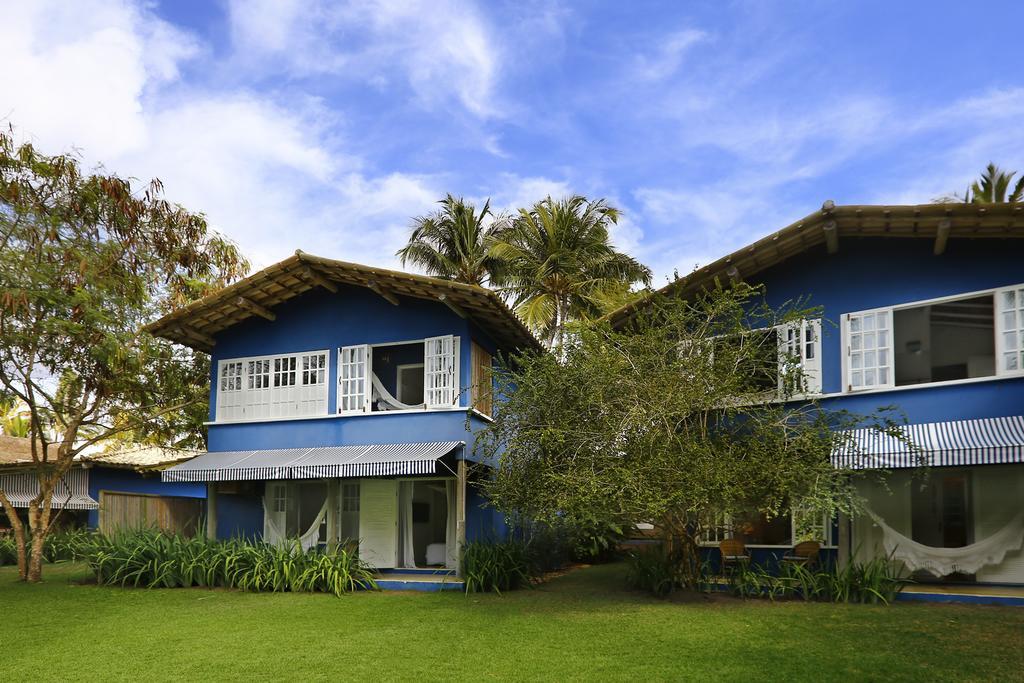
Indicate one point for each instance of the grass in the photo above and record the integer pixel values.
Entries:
(584, 625)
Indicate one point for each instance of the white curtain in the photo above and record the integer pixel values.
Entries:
(276, 536)
(942, 561)
(406, 549)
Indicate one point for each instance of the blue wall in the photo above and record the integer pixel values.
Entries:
(240, 515)
(875, 272)
(130, 481)
(321, 320)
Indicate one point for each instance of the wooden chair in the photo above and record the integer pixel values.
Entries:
(734, 552)
(805, 552)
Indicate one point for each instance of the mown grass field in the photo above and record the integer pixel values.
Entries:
(584, 625)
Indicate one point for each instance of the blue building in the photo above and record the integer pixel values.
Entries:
(111, 490)
(343, 406)
(922, 309)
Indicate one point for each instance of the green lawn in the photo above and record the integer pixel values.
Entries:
(581, 626)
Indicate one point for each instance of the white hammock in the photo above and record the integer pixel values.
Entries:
(274, 536)
(389, 402)
(942, 561)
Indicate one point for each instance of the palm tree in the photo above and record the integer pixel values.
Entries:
(454, 242)
(557, 264)
(991, 188)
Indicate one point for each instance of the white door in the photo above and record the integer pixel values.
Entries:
(378, 522)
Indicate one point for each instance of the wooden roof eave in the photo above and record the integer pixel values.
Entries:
(195, 323)
(920, 221)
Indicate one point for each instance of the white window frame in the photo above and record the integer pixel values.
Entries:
(453, 369)
(1006, 333)
(354, 358)
(999, 341)
(441, 380)
(879, 365)
(722, 530)
(268, 398)
(806, 349)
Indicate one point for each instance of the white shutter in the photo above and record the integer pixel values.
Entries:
(1010, 331)
(353, 379)
(441, 371)
(800, 345)
(869, 350)
(231, 392)
(378, 522)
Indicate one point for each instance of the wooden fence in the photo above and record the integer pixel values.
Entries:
(136, 510)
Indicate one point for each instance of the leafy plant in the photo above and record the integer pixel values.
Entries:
(154, 559)
(496, 567)
(652, 571)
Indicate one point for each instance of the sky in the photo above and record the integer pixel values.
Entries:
(328, 126)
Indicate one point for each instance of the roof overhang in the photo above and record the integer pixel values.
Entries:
(936, 222)
(197, 324)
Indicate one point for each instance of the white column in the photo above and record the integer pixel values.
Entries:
(844, 540)
(332, 513)
(460, 515)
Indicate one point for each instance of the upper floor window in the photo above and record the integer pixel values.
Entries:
(415, 375)
(776, 362)
(972, 336)
(267, 387)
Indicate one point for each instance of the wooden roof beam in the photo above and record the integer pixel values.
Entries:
(196, 335)
(255, 308)
(319, 280)
(456, 309)
(831, 231)
(384, 294)
(942, 235)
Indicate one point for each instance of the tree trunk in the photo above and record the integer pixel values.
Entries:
(39, 524)
(19, 536)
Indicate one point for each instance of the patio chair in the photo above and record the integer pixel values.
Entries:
(805, 552)
(734, 552)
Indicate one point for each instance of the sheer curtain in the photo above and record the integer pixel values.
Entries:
(405, 545)
(451, 549)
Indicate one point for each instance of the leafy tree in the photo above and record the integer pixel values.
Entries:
(990, 188)
(668, 422)
(85, 261)
(454, 243)
(559, 265)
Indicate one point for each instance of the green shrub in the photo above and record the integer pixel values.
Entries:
(876, 581)
(154, 559)
(59, 545)
(496, 567)
(652, 571)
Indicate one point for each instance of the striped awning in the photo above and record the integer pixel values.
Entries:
(71, 493)
(374, 460)
(988, 441)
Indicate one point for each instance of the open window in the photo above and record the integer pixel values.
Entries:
(415, 375)
(955, 338)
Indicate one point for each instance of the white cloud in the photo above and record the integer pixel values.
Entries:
(669, 55)
(443, 49)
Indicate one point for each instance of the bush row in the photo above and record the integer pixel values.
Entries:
(59, 545)
(154, 559)
(876, 581)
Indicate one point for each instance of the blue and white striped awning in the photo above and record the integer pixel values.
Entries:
(71, 492)
(374, 460)
(988, 441)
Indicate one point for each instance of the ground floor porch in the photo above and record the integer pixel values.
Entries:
(953, 530)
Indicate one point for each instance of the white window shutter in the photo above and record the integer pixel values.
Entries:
(354, 379)
(800, 347)
(1010, 331)
(440, 371)
(869, 350)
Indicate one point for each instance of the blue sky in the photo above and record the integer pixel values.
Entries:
(326, 126)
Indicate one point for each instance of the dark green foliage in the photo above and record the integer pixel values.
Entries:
(155, 559)
(58, 546)
(653, 572)
(496, 567)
